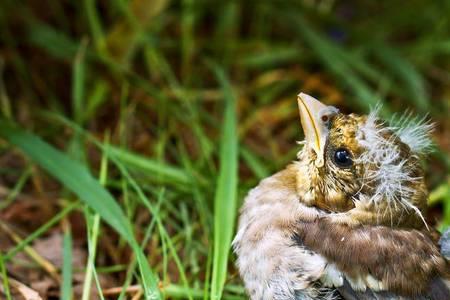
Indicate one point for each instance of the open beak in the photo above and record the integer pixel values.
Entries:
(315, 118)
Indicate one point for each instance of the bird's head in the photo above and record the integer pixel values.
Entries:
(350, 160)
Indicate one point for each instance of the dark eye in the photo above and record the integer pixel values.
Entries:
(343, 158)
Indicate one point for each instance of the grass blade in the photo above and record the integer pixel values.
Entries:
(5, 280)
(55, 42)
(73, 175)
(77, 178)
(157, 170)
(93, 230)
(226, 191)
(254, 163)
(78, 84)
(66, 287)
(164, 171)
(94, 24)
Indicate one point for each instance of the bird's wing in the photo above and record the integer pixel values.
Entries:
(405, 260)
(438, 289)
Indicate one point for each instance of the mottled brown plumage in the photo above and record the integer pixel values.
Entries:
(347, 216)
(335, 189)
(405, 261)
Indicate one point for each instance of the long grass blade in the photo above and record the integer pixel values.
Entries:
(94, 24)
(5, 281)
(77, 178)
(66, 286)
(225, 200)
(163, 171)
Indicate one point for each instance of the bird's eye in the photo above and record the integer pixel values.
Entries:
(342, 158)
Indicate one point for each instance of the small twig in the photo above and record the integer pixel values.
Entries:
(138, 295)
(117, 290)
(25, 291)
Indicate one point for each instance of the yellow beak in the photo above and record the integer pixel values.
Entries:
(315, 118)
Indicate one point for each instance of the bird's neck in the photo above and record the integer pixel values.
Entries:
(308, 179)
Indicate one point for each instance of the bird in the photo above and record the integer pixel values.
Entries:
(344, 220)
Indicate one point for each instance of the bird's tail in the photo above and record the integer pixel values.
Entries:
(445, 243)
(445, 250)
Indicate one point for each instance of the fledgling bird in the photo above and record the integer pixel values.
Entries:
(346, 219)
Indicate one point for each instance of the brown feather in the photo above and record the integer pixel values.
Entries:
(404, 260)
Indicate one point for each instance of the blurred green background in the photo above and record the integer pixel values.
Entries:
(133, 129)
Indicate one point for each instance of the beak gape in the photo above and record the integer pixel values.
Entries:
(315, 118)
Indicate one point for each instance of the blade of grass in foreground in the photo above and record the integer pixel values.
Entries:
(66, 287)
(4, 278)
(167, 173)
(93, 229)
(77, 178)
(226, 190)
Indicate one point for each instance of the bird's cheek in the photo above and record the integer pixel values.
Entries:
(336, 201)
(310, 197)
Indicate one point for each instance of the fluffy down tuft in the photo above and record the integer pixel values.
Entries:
(387, 172)
(414, 132)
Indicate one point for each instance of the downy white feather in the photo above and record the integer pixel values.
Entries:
(391, 175)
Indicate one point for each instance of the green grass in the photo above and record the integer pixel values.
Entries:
(77, 178)
(66, 286)
(5, 281)
(225, 199)
(146, 122)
